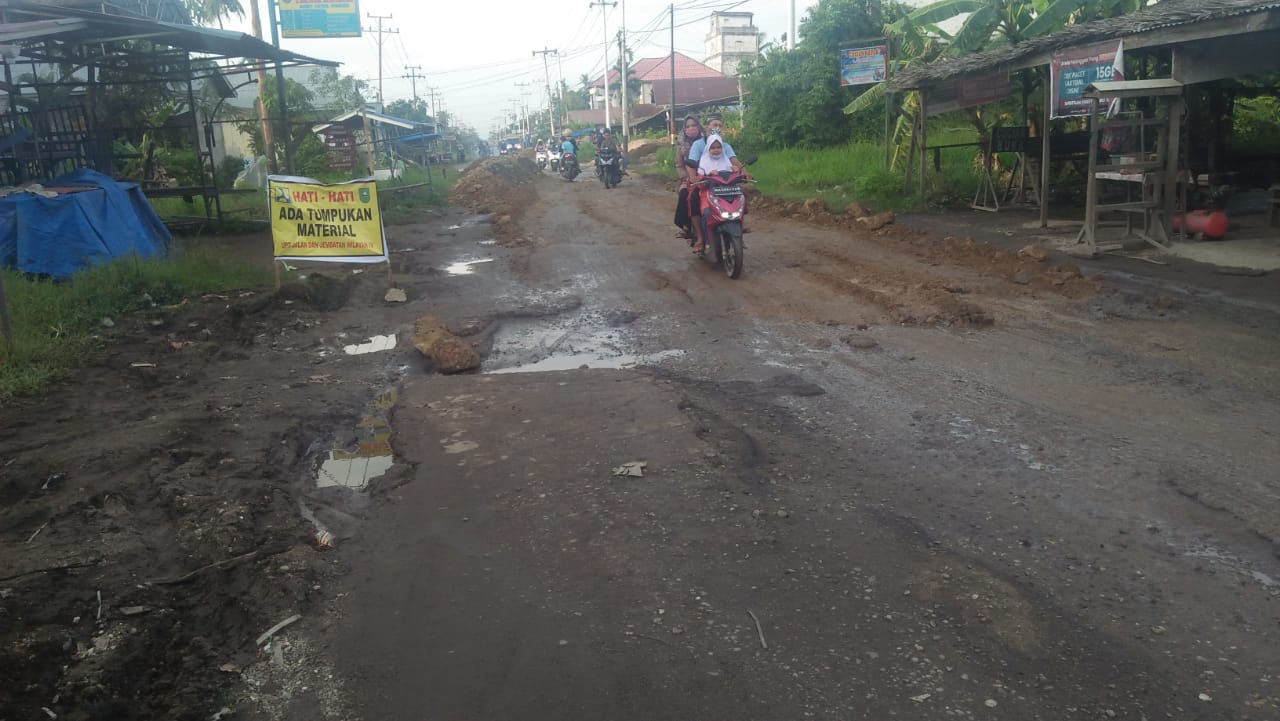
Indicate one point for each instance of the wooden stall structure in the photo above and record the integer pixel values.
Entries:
(1199, 41)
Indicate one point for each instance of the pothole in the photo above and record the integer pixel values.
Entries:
(372, 455)
(528, 347)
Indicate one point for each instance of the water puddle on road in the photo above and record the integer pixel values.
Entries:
(372, 456)
(528, 348)
(466, 267)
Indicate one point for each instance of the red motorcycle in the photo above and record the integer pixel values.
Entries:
(724, 207)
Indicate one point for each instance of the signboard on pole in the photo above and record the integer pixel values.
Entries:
(320, 18)
(339, 223)
(1071, 71)
(864, 66)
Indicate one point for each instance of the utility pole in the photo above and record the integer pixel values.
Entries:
(791, 27)
(622, 78)
(380, 33)
(524, 105)
(551, 99)
(415, 74)
(604, 22)
(268, 140)
(432, 91)
(674, 122)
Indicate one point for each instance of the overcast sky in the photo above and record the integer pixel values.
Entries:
(474, 54)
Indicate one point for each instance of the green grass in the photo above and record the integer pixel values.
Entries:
(843, 174)
(55, 322)
(245, 212)
(855, 171)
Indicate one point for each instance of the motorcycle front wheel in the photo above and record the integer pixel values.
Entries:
(731, 253)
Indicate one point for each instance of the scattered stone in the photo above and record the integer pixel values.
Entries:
(133, 610)
(991, 703)
(107, 323)
(1022, 277)
(449, 353)
(631, 468)
(783, 514)
(1034, 252)
(921, 698)
(856, 210)
(229, 668)
(822, 343)
(860, 341)
(813, 206)
(1205, 697)
(395, 295)
(877, 221)
(1068, 269)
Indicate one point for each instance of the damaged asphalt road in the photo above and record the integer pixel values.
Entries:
(882, 478)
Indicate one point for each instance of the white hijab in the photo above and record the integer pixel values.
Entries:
(708, 164)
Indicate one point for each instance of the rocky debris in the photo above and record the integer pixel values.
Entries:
(1035, 252)
(815, 206)
(395, 295)
(862, 342)
(856, 210)
(877, 221)
(448, 352)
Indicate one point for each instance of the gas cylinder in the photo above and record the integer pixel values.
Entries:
(1212, 224)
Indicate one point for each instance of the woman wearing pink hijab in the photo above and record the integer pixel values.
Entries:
(689, 134)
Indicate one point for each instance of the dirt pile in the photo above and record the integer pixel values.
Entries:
(502, 187)
(643, 150)
(447, 352)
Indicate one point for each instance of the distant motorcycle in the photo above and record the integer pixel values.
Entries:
(569, 166)
(553, 158)
(608, 168)
(540, 157)
(724, 207)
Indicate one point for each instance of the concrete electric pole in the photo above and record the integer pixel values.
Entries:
(551, 99)
(604, 22)
(380, 31)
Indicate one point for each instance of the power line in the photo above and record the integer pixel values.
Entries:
(380, 31)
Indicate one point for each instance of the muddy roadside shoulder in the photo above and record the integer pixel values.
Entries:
(163, 509)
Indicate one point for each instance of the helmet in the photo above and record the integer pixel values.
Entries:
(566, 133)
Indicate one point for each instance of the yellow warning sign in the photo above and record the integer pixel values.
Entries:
(311, 220)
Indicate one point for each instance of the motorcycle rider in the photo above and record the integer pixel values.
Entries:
(567, 143)
(568, 146)
(715, 123)
(689, 134)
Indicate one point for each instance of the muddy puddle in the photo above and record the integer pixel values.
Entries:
(372, 456)
(528, 347)
(466, 267)
(375, 344)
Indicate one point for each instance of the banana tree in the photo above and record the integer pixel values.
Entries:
(920, 39)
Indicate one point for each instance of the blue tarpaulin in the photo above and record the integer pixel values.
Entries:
(73, 231)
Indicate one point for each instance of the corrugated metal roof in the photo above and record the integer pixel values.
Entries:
(78, 26)
(1162, 16)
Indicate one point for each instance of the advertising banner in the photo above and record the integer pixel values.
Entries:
(864, 66)
(1074, 70)
(311, 220)
(320, 18)
(967, 92)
